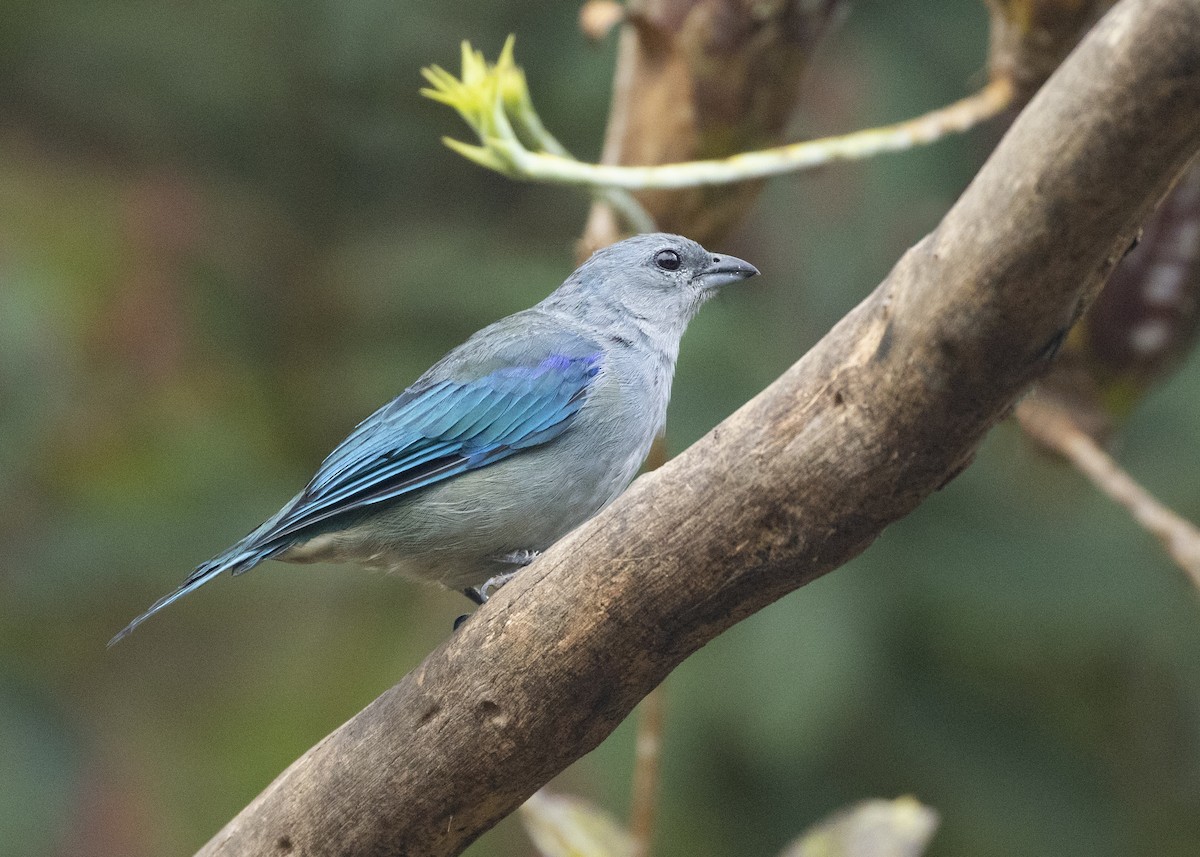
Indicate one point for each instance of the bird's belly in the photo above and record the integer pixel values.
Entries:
(458, 532)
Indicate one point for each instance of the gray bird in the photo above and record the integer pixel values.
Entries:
(523, 432)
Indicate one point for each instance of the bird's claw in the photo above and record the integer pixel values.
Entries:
(519, 558)
(475, 595)
(480, 594)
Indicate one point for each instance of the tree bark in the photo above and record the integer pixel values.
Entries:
(888, 407)
(703, 79)
(1029, 38)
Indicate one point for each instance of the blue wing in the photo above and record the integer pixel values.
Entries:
(439, 430)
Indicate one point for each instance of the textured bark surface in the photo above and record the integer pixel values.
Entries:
(884, 410)
(1029, 38)
(1138, 331)
(702, 79)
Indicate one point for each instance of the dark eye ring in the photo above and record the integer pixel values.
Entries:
(668, 260)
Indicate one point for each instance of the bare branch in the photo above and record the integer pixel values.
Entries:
(1052, 426)
(647, 770)
(921, 130)
(508, 155)
(886, 408)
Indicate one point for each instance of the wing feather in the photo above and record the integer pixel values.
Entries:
(447, 428)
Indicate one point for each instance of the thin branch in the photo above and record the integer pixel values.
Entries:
(494, 100)
(622, 202)
(647, 758)
(1055, 430)
(647, 770)
(929, 128)
(884, 410)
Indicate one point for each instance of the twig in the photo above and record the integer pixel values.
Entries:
(1055, 430)
(647, 753)
(956, 118)
(647, 771)
(494, 100)
(621, 201)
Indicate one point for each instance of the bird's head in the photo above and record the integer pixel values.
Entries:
(657, 278)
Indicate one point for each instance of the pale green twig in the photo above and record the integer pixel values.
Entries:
(622, 201)
(957, 117)
(492, 98)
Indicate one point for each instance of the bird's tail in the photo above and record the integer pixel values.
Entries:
(241, 557)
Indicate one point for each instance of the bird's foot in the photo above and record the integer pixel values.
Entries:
(480, 594)
(519, 558)
(475, 595)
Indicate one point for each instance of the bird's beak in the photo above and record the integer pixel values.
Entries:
(724, 271)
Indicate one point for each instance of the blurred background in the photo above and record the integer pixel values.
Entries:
(228, 231)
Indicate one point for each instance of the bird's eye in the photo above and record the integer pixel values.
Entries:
(668, 260)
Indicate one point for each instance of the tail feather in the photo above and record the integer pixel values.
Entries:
(239, 558)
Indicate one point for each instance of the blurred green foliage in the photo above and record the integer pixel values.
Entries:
(228, 230)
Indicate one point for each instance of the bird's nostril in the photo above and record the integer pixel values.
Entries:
(716, 258)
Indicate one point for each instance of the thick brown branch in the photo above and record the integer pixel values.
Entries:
(885, 409)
